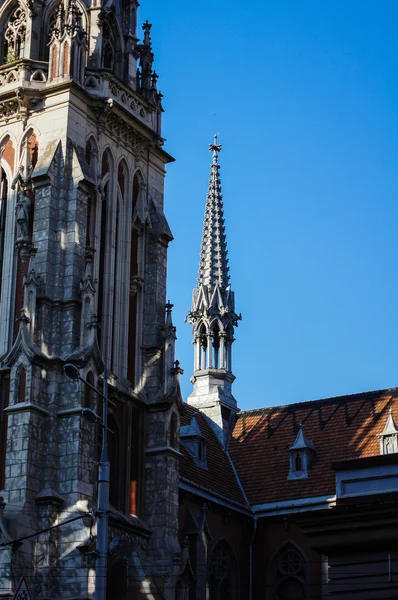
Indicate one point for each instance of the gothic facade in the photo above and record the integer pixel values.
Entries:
(206, 502)
(83, 253)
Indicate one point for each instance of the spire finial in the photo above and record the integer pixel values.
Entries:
(215, 148)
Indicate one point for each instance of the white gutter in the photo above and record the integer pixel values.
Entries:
(294, 506)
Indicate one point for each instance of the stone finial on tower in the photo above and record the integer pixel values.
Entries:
(146, 62)
(213, 313)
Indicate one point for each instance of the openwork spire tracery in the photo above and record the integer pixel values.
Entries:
(213, 266)
(213, 313)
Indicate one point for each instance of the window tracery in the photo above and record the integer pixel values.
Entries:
(14, 35)
(290, 574)
(108, 46)
(222, 573)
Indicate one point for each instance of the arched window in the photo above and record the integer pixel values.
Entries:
(14, 35)
(202, 347)
(118, 276)
(132, 334)
(3, 215)
(104, 243)
(228, 347)
(108, 46)
(216, 346)
(223, 573)
(289, 574)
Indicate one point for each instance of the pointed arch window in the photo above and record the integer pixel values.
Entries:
(108, 46)
(91, 155)
(118, 275)
(103, 244)
(216, 345)
(223, 573)
(134, 283)
(289, 574)
(15, 35)
(202, 347)
(3, 215)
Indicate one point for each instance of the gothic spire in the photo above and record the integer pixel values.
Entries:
(213, 266)
(213, 315)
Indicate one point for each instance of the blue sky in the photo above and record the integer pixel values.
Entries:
(305, 97)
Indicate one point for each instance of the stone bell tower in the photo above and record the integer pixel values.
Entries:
(213, 315)
(83, 254)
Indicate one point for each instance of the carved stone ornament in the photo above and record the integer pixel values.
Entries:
(90, 252)
(69, 21)
(136, 283)
(123, 132)
(25, 250)
(8, 109)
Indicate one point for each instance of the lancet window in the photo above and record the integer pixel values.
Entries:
(135, 281)
(223, 573)
(108, 46)
(3, 215)
(104, 242)
(118, 275)
(136, 456)
(15, 35)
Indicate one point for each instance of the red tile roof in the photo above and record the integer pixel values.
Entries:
(219, 477)
(340, 428)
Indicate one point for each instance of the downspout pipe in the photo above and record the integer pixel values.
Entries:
(253, 535)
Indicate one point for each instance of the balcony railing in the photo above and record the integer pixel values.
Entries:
(29, 73)
(103, 85)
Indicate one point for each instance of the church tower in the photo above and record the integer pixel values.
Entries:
(83, 254)
(213, 315)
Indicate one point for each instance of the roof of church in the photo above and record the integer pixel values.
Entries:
(340, 428)
(219, 477)
(213, 265)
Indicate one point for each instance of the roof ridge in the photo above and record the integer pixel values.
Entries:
(330, 400)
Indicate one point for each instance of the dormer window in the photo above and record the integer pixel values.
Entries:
(194, 442)
(389, 437)
(301, 454)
